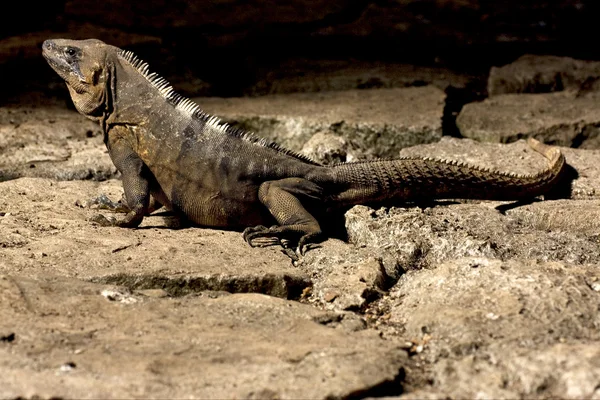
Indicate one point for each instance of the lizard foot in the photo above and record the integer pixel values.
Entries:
(272, 236)
(131, 220)
(307, 242)
(104, 221)
(260, 236)
(102, 202)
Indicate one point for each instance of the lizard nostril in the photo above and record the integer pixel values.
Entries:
(47, 45)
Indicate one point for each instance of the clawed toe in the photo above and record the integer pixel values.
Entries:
(260, 236)
(102, 202)
(250, 233)
(263, 241)
(306, 242)
(102, 220)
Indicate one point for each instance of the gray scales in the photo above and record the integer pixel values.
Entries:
(171, 153)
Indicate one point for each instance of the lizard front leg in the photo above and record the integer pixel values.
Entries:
(136, 180)
(282, 199)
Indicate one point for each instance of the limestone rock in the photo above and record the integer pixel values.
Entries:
(561, 228)
(52, 143)
(379, 121)
(562, 118)
(327, 148)
(502, 329)
(71, 341)
(42, 229)
(345, 278)
(538, 74)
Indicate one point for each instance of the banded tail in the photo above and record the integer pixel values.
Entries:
(414, 179)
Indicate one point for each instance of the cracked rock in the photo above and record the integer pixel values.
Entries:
(74, 343)
(379, 122)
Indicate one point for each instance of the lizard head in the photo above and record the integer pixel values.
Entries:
(83, 64)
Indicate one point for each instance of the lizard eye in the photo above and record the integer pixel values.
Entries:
(70, 51)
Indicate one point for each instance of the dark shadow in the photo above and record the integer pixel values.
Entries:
(564, 187)
(388, 388)
(503, 208)
(456, 98)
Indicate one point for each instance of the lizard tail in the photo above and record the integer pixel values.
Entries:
(424, 179)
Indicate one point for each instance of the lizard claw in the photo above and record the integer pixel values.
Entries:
(306, 243)
(102, 202)
(249, 233)
(262, 234)
(103, 221)
(271, 236)
(290, 253)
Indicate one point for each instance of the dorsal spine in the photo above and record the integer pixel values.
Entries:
(188, 106)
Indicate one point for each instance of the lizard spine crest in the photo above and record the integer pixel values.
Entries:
(192, 109)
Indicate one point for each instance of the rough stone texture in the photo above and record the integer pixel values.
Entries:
(345, 278)
(494, 300)
(328, 75)
(380, 121)
(416, 237)
(422, 238)
(42, 229)
(53, 143)
(78, 340)
(493, 329)
(586, 169)
(560, 215)
(562, 118)
(171, 329)
(327, 148)
(539, 74)
(489, 299)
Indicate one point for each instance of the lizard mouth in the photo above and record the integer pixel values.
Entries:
(65, 71)
(48, 53)
(60, 67)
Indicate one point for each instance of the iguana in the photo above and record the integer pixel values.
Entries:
(166, 147)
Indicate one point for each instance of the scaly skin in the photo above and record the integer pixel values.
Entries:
(168, 150)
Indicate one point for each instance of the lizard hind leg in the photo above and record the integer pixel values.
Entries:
(295, 223)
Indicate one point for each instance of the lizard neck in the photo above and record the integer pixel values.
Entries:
(133, 99)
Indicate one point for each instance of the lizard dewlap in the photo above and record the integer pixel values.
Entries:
(172, 153)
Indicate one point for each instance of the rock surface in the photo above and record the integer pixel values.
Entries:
(53, 233)
(304, 76)
(538, 74)
(51, 142)
(60, 273)
(380, 122)
(494, 329)
(458, 299)
(76, 339)
(562, 118)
